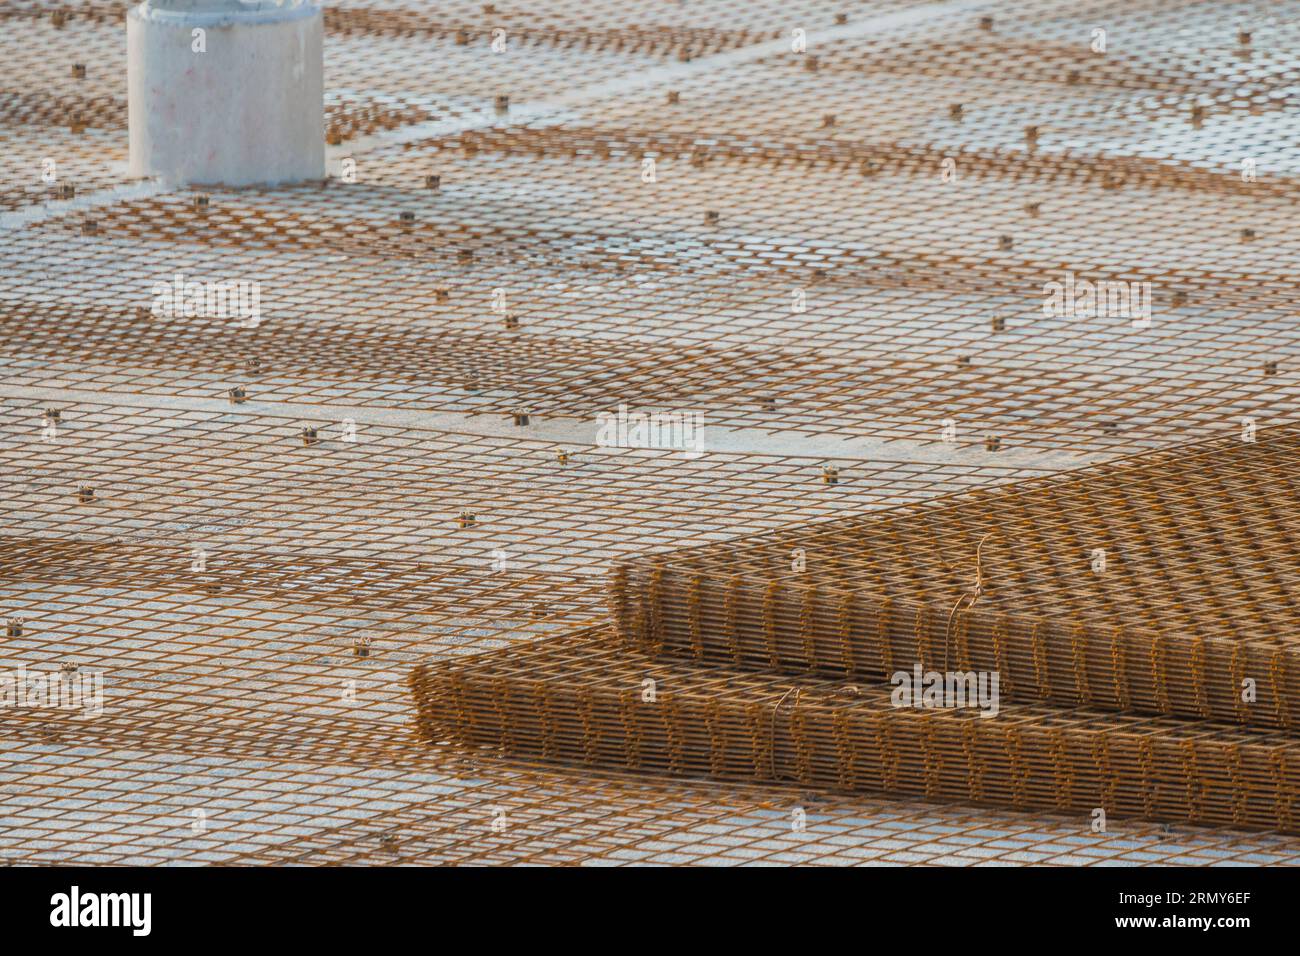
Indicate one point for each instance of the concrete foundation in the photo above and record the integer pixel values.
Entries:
(223, 91)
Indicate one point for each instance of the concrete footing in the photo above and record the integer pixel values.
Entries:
(226, 91)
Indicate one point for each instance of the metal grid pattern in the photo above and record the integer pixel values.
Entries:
(193, 477)
(257, 710)
(1178, 83)
(1082, 386)
(82, 163)
(616, 820)
(247, 666)
(226, 685)
(1158, 584)
(582, 699)
(261, 811)
(709, 256)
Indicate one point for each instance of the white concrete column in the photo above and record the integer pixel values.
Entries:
(226, 91)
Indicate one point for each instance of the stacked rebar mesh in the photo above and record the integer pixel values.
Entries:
(580, 699)
(1157, 584)
(1138, 616)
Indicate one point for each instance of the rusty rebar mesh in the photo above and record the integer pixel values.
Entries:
(1087, 385)
(229, 480)
(1164, 583)
(923, 298)
(228, 688)
(266, 689)
(591, 698)
(355, 815)
(581, 699)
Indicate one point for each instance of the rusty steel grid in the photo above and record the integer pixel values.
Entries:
(581, 699)
(916, 176)
(1160, 584)
(949, 331)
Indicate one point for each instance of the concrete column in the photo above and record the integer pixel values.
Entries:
(226, 91)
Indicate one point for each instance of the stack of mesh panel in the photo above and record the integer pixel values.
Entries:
(1140, 618)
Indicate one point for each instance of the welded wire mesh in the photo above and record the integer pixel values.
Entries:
(1165, 584)
(844, 243)
(773, 180)
(581, 699)
(251, 603)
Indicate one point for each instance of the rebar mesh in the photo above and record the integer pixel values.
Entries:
(256, 704)
(797, 184)
(1165, 584)
(582, 700)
